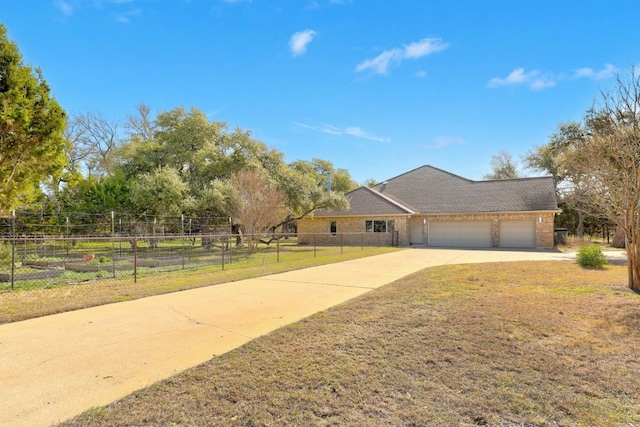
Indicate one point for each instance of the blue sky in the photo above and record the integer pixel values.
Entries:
(376, 87)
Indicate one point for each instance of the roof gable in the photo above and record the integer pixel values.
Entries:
(366, 201)
(429, 190)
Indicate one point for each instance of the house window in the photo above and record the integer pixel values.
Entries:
(379, 226)
(333, 228)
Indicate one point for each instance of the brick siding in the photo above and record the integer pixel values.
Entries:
(351, 230)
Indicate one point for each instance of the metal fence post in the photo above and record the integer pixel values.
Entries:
(277, 250)
(182, 241)
(113, 243)
(135, 260)
(13, 248)
(222, 246)
(66, 243)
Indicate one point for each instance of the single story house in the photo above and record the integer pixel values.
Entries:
(432, 207)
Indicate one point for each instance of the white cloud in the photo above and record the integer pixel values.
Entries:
(420, 74)
(321, 4)
(517, 76)
(125, 17)
(536, 80)
(65, 7)
(608, 71)
(442, 141)
(324, 128)
(584, 72)
(299, 41)
(542, 82)
(351, 131)
(381, 63)
(304, 125)
(361, 133)
(424, 47)
(532, 79)
(330, 129)
(117, 8)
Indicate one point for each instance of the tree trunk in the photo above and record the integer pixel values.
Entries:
(633, 266)
(239, 237)
(618, 238)
(632, 241)
(580, 227)
(206, 242)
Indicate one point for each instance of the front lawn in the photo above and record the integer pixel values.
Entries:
(513, 344)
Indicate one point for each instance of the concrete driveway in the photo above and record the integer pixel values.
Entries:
(55, 367)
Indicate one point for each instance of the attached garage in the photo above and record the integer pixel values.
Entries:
(436, 208)
(460, 234)
(517, 234)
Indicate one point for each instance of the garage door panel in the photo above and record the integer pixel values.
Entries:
(518, 234)
(460, 234)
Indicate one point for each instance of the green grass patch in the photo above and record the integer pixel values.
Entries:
(77, 290)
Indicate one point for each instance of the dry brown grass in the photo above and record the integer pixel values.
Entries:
(517, 344)
(26, 304)
(573, 242)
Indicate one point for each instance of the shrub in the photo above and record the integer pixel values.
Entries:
(590, 256)
(101, 260)
(5, 255)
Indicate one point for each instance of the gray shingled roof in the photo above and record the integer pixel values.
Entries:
(366, 201)
(429, 190)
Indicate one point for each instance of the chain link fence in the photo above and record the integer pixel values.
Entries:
(39, 251)
(32, 261)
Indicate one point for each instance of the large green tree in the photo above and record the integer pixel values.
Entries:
(316, 184)
(205, 154)
(557, 158)
(181, 163)
(89, 202)
(607, 157)
(160, 193)
(32, 147)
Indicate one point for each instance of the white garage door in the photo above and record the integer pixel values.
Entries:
(460, 234)
(518, 234)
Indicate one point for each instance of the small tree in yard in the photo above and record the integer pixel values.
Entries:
(609, 158)
(254, 203)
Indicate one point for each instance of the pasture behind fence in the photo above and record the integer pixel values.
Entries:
(37, 261)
